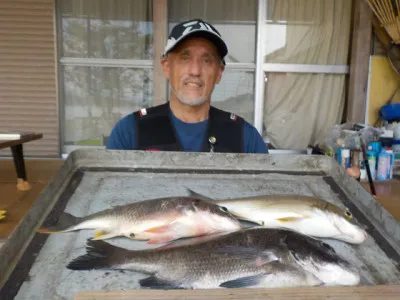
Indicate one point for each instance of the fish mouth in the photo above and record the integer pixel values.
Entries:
(351, 275)
(350, 233)
(357, 237)
(337, 272)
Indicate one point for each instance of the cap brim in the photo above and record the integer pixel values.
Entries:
(216, 40)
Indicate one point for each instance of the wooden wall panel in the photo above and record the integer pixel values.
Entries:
(28, 73)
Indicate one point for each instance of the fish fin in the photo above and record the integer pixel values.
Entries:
(288, 219)
(154, 282)
(248, 222)
(276, 267)
(103, 235)
(244, 281)
(99, 255)
(165, 233)
(258, 256)
(159, 229)
(197, 195)
(2, 214)
(186, 241)
(64, 222)
(161, 239)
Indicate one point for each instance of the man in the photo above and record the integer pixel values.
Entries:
(193, 62)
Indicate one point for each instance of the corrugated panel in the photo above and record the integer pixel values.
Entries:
(28, 91)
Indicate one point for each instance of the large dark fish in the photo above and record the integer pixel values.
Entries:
(255, 257)
(156, 220)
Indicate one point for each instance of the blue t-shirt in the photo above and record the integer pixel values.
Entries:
(191, 135)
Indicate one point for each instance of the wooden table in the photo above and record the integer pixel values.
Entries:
(16, 203)
(18, 156)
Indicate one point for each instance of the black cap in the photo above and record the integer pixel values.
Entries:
(199, 28)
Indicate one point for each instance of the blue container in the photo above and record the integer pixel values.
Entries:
(376, 146)
(390, 112)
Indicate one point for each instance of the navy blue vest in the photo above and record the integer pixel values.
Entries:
(155, 131)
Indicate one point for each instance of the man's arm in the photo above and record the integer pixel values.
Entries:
(253, 142)
(122, 136)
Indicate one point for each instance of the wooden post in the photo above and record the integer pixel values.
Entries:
(359, 63)
(160, 21)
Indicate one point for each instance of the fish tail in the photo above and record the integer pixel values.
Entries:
(66, 222)
(99, 255)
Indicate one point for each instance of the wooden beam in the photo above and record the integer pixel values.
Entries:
(301, 293)
(359, 61)
(160, 23)
(392, 50)
(381, 34)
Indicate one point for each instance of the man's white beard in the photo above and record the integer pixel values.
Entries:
(188, 100)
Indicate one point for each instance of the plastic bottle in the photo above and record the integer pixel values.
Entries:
(385, 165)
(396, 133)
(390, 152)
(346, 162)
(371, 162)
(396, 139)
(361, 165)
(339, 154)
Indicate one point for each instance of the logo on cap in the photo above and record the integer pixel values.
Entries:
(201, 26)
(198, 27)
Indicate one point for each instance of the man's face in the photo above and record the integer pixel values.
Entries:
(193, 68)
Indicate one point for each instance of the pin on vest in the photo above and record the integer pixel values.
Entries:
(143, 112)
(212, 140)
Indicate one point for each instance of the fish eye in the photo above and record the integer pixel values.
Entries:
(348, 214)
(223, 208)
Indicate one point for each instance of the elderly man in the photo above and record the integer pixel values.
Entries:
(193, 62)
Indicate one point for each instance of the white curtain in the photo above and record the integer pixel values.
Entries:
(301, 108)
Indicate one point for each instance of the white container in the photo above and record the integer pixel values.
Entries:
(396, 132)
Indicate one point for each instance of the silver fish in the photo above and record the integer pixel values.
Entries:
(305, 214)
(156, 220)
(254, 258)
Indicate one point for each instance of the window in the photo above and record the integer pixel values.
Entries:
(106, 63)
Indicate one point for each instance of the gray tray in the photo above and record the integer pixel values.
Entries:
(32, 265)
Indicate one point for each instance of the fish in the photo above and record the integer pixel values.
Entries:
(159, 220)
(256, 257)
(306, 214)
(3, 214)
